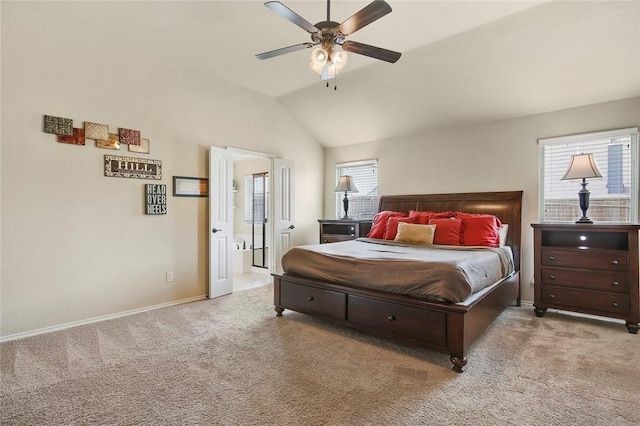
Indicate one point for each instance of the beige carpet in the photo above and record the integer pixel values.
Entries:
(231, 361)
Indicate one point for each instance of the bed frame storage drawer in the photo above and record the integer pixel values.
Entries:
(313, 299)
(398, 319)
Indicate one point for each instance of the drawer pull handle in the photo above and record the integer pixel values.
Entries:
(310, 299)
(552, 277)
(552, 258)
(615, 283)
(552, 296)
(391, 318)
(614, 262)
(614, 304)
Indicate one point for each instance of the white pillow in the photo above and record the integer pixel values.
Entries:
(502, 233)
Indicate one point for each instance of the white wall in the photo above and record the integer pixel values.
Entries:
(496, 156)
(76, 244)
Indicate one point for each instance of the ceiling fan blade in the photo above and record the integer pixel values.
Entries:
(372, 12)
(291, 16)
(282, 51)
(371, 51)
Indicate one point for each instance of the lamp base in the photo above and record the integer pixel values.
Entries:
(345, 217)
(583, 196)
(584, 220)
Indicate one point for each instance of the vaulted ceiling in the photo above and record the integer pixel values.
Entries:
(462, 61)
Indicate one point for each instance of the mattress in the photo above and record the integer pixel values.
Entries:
(436, 273)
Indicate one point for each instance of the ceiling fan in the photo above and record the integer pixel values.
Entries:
(331, 56)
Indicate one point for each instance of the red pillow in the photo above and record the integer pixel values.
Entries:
(480, 231)
(423, 217)
(448, 231)
(392, 226)
(379, 224)
(462, 215)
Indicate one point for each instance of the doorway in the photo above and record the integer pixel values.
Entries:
(251, 231)
(226, 195)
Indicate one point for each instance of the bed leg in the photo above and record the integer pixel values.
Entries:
(279, 311)
(458, 363)
(519, 302)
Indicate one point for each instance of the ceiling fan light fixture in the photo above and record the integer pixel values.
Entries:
(330, 57)
(328, 65)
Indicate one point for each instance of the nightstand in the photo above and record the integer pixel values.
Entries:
(335, 230)
(588, 268)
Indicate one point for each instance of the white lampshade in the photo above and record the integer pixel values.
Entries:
(339, 58)
(319, 57)
(582, 166)
(346, 184)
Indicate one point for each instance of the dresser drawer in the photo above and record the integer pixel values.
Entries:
(307, 298)
(586, 259)
(397, 319)
(595, 301)
(333, 238)
(592, 280)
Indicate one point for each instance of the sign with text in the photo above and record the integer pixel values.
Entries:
(128, 167)
(155, 198)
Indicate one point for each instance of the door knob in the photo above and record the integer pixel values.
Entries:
(214, 230)
(291, 226)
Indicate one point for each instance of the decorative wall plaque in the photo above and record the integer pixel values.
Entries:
(58, 125)
(129, 137)
(128, 167)
(76, 139)
(143, 148)
(112, 143)
(155, 198)
(96, 131)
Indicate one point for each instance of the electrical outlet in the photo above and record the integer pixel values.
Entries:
(169, 276)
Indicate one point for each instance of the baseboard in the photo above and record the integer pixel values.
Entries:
(526, 303)
(98, 319)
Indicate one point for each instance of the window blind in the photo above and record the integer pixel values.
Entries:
(614, 197)
(362, 204)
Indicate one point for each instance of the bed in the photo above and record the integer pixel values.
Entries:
(445, 327)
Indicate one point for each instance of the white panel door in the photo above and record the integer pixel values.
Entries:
(220, 222)
(283, 208)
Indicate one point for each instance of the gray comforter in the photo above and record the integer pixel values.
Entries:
(441, 273)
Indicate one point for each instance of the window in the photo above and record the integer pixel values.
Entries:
(256, 197)
(614, 197)
(364, 203)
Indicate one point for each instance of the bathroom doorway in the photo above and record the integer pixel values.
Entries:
(251, 230)
(227, 202)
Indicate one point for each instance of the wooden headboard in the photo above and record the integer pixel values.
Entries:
(506, 206)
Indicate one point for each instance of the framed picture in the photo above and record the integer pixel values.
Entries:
(190, 187)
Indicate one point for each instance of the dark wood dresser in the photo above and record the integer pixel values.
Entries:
(588, 268)
(335, 230)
